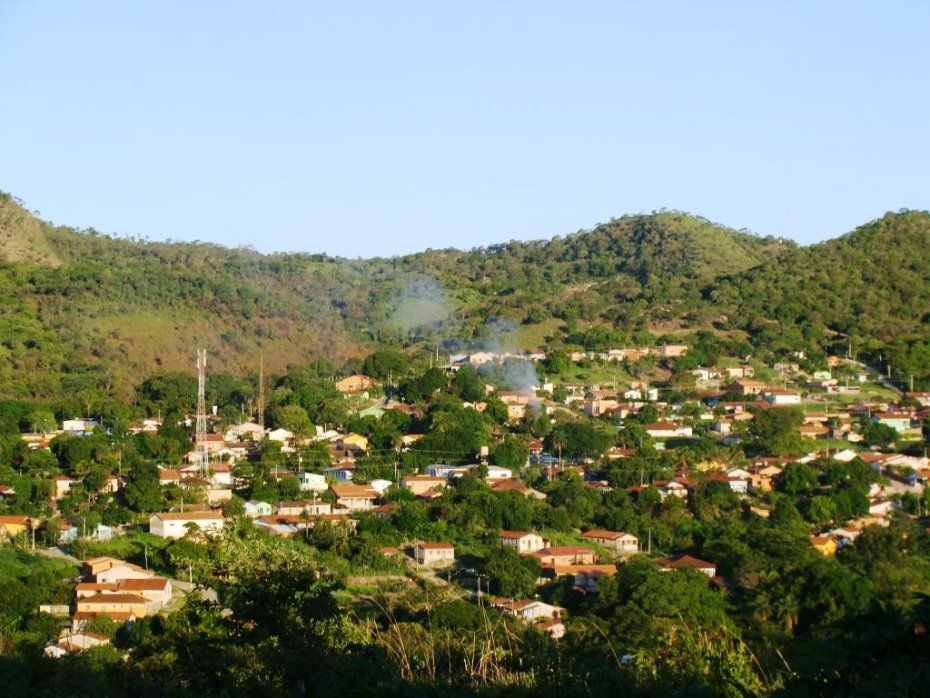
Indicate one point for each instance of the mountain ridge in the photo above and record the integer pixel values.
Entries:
(75, 306)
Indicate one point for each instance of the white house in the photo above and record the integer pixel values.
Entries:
(434, 553)
(781, 397)
(174, 524)
(79, 425)
(254, 509)
(523, 542)
(618, 542)
(280, 435)
(315, 482)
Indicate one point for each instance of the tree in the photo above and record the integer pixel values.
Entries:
(511, 575)
(143, 491)
(797, 478)
(776, 430)
(294, 418)
(510, 453)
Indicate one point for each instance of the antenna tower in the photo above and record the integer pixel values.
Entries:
(202, 457)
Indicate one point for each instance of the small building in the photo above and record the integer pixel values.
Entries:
(120, 603)
(355, 497)
(523, 542)
(617, 542)
(421, 484)
(434, 553)
(109, 570)
(12, 525)
(175, 524)
(824, 545)
(679, 562)
(566, 555)
(255, 508)
(780, 398)
(898, 421)
(312, 482)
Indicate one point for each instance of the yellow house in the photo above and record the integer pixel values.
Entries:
(119, 603)
(825, 546)
(13, 525)
(355, 442)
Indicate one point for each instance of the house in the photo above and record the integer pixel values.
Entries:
(74, 643)
(343, 472)
(896, 420)
(740, 485)
(554, 627)
(169, 476)
(824, 545)
(118, 603)
(255, 508)
(354, 384)
(566, 555)
(355, 497)
(679, 562)
(109, 570)
(79, 425)
(312, 507)
(617, 542)
(523, 542)
(672, 351)
(529, 609)
(421, 484)
(746, 387)
(63, 485)
(514, 485)
(668, 430)
(175, 524)
(154, 589)
(883, 507)
(481, 357)
(434, 553)
(315, 482)
(354, 442)
(12, 525)
(251, 431)
(280, 435)
(587, 577)
(498, 472)
(781, 397)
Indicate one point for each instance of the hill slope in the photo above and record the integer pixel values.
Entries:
(80, 310)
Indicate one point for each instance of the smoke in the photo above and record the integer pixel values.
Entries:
(500, 337)
(420, 302)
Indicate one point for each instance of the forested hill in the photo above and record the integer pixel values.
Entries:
(81, 310)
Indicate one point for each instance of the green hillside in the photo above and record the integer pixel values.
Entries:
(79, 310)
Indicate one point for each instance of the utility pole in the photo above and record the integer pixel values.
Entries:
(201, 456)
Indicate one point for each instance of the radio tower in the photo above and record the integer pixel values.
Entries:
(202, 457)
(261, 392)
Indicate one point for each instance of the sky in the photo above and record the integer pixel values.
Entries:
(363, 129)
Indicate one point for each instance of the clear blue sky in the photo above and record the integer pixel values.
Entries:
(388, 127)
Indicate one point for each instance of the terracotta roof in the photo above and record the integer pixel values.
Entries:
(152, 584)
(190, 516)
(559, 550)
(114, 598)
(435, 546)
(684, 561)
(608, 535)
(514, 535)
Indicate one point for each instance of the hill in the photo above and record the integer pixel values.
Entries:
(83, 311)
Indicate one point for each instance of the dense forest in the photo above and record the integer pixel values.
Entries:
(83, 311)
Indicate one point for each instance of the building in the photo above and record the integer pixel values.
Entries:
(109, 570)
(254, 509)
(522, 542)
(679, 562)
(617, 542)
(668, 430)
(824, 545)
(896, 420)
(175, 524)
(355, 497)
(421, 484)
(434, 553)
(566, 555)
(781, 398)
(118, 603)
(12, 525)
(746, 387)
(312, 507)
(315, 482)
